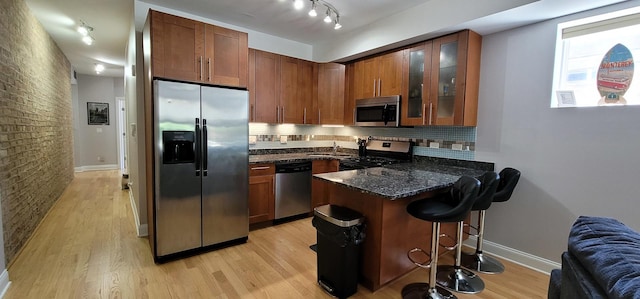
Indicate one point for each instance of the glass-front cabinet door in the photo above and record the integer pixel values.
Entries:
(416, 98)
(448, 80)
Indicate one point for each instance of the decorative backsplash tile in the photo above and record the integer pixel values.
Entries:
(424, 138)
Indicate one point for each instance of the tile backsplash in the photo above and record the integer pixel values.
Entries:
(425, 138)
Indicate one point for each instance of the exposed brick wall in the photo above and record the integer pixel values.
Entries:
(36, 143)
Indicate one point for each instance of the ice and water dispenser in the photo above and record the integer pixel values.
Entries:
(178, 147)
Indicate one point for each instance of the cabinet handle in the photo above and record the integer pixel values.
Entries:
(251, 114)
(379, 86)
(424, 114)
(209, 66)
(282, 115)
(277, 114)
(260, 168)
(374, 87)
(304, 116)
(319, 122)
(430, 112)
(201, 68)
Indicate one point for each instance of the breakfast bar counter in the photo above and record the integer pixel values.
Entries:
(381, 194)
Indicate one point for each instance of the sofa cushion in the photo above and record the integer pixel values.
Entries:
(610, 252)
(555, 280)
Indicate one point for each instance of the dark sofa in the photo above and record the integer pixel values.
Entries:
(602, 261)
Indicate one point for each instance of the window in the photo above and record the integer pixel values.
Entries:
(594, 63)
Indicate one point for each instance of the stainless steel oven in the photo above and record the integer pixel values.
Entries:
(378, 112)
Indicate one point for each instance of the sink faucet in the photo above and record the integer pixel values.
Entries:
(335, 148)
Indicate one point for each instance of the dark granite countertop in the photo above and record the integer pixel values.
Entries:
(400, 180)
(297, 157)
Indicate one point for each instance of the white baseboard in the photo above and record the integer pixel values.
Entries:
(516, 256)
(96, 167)
(4, 282)
(141, 229)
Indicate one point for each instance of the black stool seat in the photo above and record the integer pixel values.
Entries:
(452, 206)
(489, 182)
(509, 178)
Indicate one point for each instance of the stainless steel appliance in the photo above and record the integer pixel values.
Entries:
(293, 189)
(201, 161)
(378, 112)
(380, 153)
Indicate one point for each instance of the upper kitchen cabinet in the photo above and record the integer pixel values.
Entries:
(296, 90)
(455, 76)
(379, 76)
(264, 87)
(281, 88)
(184, 49)
(416, 106)
(330, 102)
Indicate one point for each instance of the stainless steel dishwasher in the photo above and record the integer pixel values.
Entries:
(293, 189)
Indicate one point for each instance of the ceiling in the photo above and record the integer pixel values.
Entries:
(111, 20)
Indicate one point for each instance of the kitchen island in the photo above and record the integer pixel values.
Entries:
(381, 194)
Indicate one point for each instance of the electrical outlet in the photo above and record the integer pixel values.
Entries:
(456, 147)
(283, 139)
(434, 145)
(253, 139)
(100, 159)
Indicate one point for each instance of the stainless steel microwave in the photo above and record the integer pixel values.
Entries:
(378, 112)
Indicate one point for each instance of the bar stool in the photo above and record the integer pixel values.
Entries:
(454, 277)
(477, 261)
(452, 207)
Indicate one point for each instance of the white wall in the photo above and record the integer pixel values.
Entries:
(575, 161)
(93, 141)
(134, 94)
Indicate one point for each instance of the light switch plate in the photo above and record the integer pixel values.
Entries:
(283, 139)
(253, 139)
(456, 147)
(99, 130)
(434, 145)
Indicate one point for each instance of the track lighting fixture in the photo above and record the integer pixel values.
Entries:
(99, 68)
(332, 15)
(327, 19)
(88, 40)
(85, 30)
(313, 12)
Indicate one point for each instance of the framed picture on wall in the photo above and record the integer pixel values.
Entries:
(98, 113)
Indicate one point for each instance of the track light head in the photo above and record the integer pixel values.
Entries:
(327, 19)
(298, 4)
(337, 26)
(313, 12)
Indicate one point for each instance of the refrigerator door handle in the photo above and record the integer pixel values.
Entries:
(198, 147)
(205, 148)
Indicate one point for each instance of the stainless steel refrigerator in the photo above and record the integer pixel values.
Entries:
(201, 161)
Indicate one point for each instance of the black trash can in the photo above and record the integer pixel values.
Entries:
(340, 231)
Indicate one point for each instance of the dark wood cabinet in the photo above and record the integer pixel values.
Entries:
(442, 81)
(281, 88)
(227, 56)
(264, 86)
(416, 102)
(184, 49)
(379, 76)
(330, 102)
(320, 190)
(455, 78)
(261, 192)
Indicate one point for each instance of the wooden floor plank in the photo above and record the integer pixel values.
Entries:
(86, 247)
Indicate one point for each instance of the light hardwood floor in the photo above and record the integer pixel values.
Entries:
(86, 247)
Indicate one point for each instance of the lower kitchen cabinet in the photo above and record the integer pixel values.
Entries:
(261, 192)
(320, 191)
